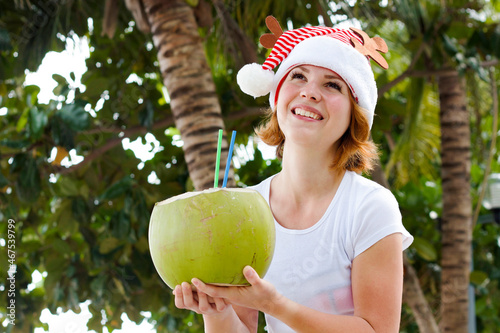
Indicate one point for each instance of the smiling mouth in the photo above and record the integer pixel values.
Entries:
(307, 114)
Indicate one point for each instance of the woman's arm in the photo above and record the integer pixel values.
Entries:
(377, 284)
(377, 280)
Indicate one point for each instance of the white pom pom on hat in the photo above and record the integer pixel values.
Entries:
(255, 80)
(345, 52)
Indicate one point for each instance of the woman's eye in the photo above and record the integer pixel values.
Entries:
(335, 85)
(299, 76)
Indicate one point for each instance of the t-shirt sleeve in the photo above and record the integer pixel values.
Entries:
(377, 217)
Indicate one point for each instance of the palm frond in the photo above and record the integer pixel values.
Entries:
(417, 150)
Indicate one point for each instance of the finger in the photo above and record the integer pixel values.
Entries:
(179, 299)
(207, 289)
(199, 285)
(210, 298)
(203, 304)
(220, 304)
(187, 294)
(195, 294)
(251, 275)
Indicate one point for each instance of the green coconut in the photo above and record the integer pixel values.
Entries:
(211, 235)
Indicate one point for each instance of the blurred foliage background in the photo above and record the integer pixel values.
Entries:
(82, 201)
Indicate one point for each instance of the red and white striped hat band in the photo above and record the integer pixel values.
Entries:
(345, 52)
(288, 40)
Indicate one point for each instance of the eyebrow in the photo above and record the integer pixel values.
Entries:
(332, 77)
(326, 76)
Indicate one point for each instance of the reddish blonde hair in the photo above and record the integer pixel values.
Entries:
(356, 151)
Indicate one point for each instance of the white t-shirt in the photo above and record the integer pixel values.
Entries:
(313, 266)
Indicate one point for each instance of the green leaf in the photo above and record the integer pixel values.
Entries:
(51, 283)
(117, 189)
(61, 134)
(109, 244)
(66, 224)
(146, 115)
(38, 292)
(62, 247)
(97, 285)
(31, 92)
(3, 181)
(23, 120)
(424, 249)
(142, 244)
(55, 264)
(478, 277)
(70, 187)
(15, 144)
(59, 79)
(141, 213)
(5, 42)
(30, 238)
(62, 85)
(28, 183)
(75, 116)
(37, 121)
(95, 87)
(81, 210)
(18, 162)
(72, 296)
(120, 224)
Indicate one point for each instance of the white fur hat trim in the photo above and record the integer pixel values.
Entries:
(347, 62)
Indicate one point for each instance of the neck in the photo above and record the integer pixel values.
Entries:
(306, 172)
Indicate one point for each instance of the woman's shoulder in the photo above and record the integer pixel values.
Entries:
(376, 215)
(363, 191)
(361, 183)
(263, 187)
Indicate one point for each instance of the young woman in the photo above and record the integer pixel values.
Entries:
(337, 265)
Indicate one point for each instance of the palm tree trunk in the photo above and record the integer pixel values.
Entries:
(414, 297)
(188, 79)
(457, 209)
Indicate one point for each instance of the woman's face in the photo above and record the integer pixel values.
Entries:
(313, 107)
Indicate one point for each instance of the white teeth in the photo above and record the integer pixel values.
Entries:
(304, 113)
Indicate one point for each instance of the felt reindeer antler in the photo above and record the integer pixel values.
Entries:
(371, 47)
(268, 40)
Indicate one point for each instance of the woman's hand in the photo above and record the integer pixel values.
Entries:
(218, 314)
(260, 295)
(198, 301)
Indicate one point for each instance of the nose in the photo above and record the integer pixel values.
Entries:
(309, 92)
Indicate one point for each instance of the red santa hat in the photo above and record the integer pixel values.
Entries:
(346, 52)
